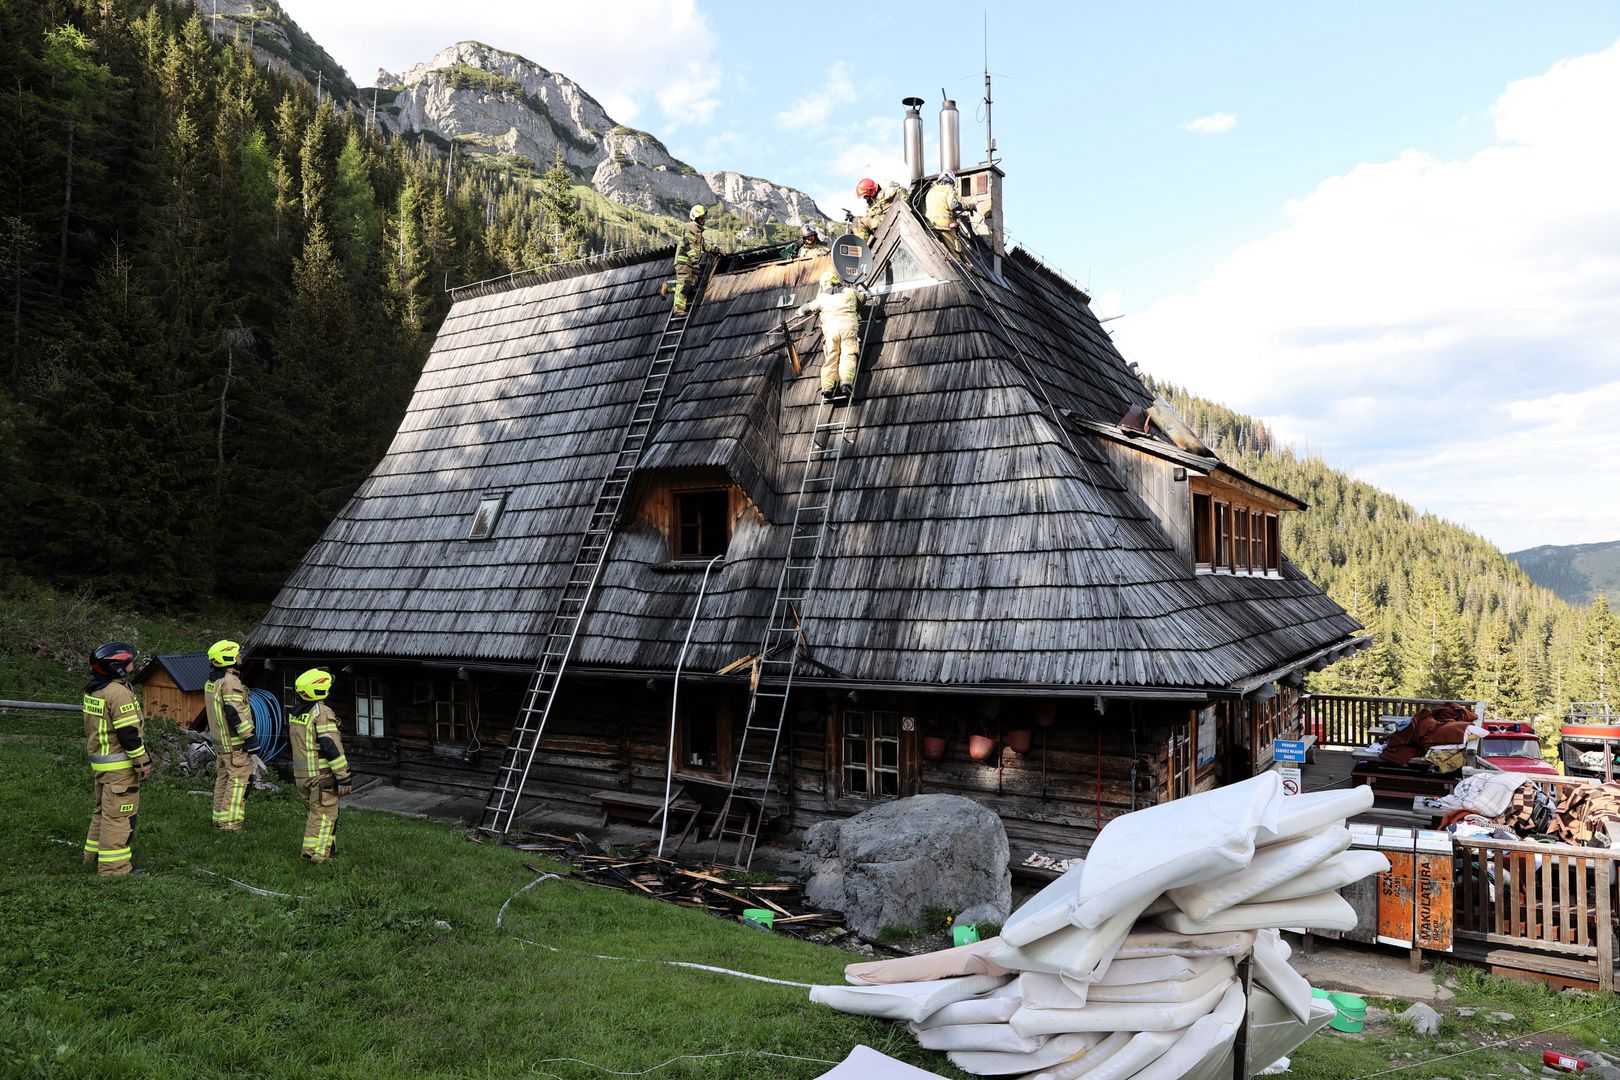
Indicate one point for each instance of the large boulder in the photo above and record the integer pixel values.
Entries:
(886, 866)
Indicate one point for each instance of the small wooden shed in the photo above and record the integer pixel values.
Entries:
(172, 686)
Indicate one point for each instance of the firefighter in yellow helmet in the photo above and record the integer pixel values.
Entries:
(689, 253)
(837, 304)
(230, 725)
(114, 738)
(319, 768)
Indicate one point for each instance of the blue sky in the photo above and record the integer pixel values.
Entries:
(1386, 228)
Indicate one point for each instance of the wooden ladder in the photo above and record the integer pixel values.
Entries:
(501, 808)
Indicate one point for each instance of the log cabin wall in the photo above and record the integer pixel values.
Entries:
(844, 754)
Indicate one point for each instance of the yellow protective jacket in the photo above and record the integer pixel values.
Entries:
(837, 308)
(690, 247)
(942, 204)
(317, 745)
(230, 713)
(114, 730)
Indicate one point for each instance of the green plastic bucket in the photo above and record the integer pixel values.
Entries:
(1350, 1005)
(1350, 1012)
(964, 934)
(759, 916)
(1318, 992)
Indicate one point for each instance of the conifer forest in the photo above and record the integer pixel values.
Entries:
(218, 286)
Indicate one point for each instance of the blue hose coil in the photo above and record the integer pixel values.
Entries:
(270, 723)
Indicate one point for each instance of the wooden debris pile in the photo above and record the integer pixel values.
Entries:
(694, 886)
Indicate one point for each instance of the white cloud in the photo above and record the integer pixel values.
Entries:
(812, 111)
(690, 97)
(1213, 124)
(1406, 300)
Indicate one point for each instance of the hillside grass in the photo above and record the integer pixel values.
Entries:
(385, 963)
(47, 635)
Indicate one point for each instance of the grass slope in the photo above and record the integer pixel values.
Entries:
(390, 964)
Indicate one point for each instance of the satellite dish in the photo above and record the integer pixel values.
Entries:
(852, 258)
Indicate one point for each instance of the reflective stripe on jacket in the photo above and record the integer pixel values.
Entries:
(942, 205)
(228, 689)
(317, 745)
(114, 730)
(837, 308)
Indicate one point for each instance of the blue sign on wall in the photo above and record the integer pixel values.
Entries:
(1288, 749)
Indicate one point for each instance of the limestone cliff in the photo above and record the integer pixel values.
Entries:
(496, 102)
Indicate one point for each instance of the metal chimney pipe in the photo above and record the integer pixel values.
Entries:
(913, 138)
(950, 137)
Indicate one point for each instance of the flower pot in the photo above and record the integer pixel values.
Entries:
(1046, 714)
(933, 747)
(1018, 739)
(981, 747)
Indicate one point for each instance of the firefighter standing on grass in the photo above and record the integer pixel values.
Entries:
(230, 723)
(319, 768)
(114, 738)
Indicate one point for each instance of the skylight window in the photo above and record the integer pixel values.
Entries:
(487, 515)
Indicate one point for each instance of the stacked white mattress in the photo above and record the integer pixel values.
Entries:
(1126, 965)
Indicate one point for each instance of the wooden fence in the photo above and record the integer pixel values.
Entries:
(1344, 721)
(1544, 908)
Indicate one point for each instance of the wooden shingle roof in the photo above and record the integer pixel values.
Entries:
(980, 535)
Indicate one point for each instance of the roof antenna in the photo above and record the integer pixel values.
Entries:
(989, 137)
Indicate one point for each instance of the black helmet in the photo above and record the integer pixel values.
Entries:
(808, 233)
(114, 660)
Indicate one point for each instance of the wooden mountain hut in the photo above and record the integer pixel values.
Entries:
(1036, 587)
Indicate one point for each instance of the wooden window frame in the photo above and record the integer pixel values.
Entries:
(677, 529)
(721, 713)
(454, 720)
(1181, 755)
(370, 715)
(870, 769)
(1234, 533)
(1203, 511)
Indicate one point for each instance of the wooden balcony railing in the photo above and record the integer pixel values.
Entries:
(1551, 899)
(1345, 721)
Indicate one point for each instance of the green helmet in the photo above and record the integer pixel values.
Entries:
(698, 212)
(314, 684)
(224, 653)
(830, 280)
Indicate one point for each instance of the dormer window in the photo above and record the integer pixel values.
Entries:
(1231, 534)
(487, 515)
(702, 523)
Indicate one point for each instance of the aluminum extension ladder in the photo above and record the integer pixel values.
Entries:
(500, 810)
(754, 772)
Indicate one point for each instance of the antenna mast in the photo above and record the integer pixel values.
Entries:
(989, 136)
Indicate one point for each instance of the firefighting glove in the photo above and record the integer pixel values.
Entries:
(143, 771)
(344, 786)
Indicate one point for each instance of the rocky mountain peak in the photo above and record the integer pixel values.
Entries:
(496, 102)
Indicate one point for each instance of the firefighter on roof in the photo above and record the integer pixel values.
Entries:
(944, 208)
(319, 767)
(837, 304)
(230, 724)
(878, 202)
(689, 252)
(114, 738)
